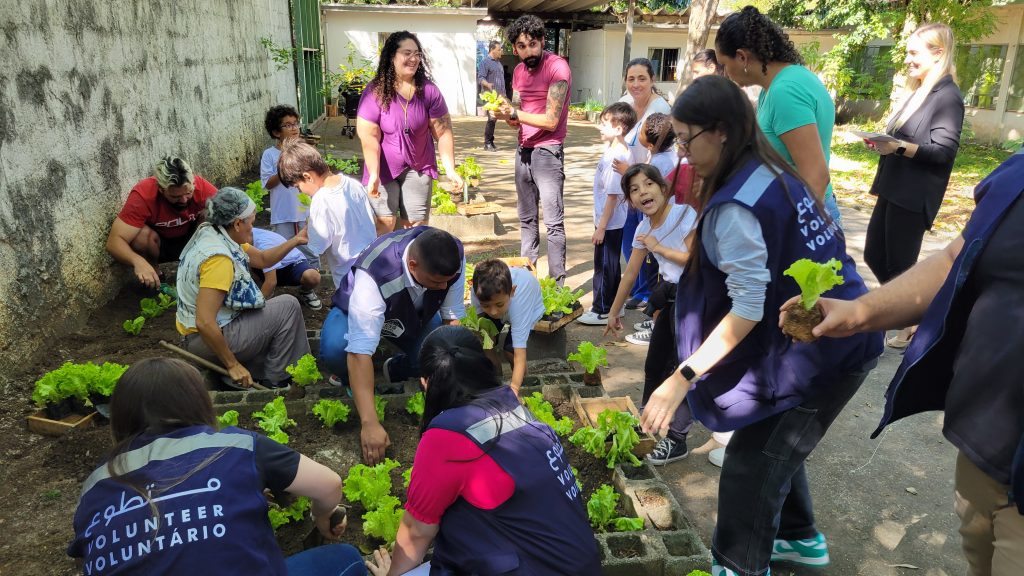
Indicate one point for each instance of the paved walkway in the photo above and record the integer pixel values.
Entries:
(881, 503)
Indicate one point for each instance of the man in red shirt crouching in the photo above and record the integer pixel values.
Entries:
(158, 218)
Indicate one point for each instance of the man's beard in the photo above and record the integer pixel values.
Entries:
(532, 61)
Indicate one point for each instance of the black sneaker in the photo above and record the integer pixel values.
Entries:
(389, 386)
(668, 450)
(636, 304)
(490, 148)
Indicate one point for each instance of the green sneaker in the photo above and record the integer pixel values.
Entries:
(718, 570)
(810, 552)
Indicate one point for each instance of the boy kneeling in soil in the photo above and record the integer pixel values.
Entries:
(292, 270)
(510, 295)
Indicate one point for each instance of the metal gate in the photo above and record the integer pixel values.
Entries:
(308, 58)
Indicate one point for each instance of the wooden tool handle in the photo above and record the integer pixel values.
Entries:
(203, 362)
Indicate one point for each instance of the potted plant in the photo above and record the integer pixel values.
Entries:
(814, 280)
(73, 388)
(591, 358)
(558, 300)
(355, 73)
(577, 111)
(594, 109)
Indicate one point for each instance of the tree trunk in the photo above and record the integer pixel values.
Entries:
(702, 14)
(627, 47)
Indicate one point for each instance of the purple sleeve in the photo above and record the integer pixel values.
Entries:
(369, 108)
(436, 106)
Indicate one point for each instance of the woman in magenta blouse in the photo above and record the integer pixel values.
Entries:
(401, 113)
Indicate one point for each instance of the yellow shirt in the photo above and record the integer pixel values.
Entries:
(216, 272)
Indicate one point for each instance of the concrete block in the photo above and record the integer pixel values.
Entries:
(548, 366)
(222, 397)
(684, 552)
(629, 554)
(547, 346)
(478, 226)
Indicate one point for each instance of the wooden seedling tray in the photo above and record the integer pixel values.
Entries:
(549, 326)
(589, 408)
(479, 208)
(40, 424)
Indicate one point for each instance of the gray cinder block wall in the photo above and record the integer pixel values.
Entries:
(92, 92)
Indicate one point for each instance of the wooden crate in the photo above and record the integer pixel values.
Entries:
(549, 326)
(589, 408)
(520, 262)
(479, 208)
(40, 424)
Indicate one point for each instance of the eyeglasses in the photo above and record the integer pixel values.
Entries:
(411, 54)
(685, 144)
(290, 125)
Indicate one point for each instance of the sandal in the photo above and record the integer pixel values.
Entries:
(898, 342)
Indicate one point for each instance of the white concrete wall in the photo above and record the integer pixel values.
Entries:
(92, 93)
(595, 56)
(448, 40)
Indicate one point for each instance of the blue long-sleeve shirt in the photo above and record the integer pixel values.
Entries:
(491, 71)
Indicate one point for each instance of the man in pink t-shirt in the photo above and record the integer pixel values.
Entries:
(540, 90)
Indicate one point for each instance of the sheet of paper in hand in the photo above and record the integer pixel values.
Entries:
(874, 136)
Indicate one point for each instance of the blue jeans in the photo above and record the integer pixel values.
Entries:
(644, 281)
(328, 560)
(334, 341)
(763, 492)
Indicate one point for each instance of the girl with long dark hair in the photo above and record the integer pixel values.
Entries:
(491, 486)
(179, 496)
(739, 371)
(401, 114)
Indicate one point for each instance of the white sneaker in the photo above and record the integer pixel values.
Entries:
(717, 456)
(640, 338)
(591, 318)
(722, 437)
(645, 325)
(310, 299)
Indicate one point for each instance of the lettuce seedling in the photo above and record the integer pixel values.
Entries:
(330, 412)
(544, 412)
(699, 573)
(492, 100)
(416, 404)
(165, 301)
(470, 171)
(601, 511)
(150, 308)
(229, 418)
(256, 192)
(368, 484)
(77, 381)
(379, 404)
(407, 478)
(441, 200)
(589, 356)
(814, 280)
(103, 379)
(483, 327)
(280, 516)
(591, 440)
(383, 521)
(273, 419)
(613, 439)
(304, 372)
(133, 327)
(557, 298)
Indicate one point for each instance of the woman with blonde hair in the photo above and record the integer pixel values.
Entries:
(914, 167)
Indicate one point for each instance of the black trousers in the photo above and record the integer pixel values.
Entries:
(607, 270)
(663, 358)
(893, 240)
(489, 131)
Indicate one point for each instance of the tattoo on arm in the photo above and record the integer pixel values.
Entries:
(556, 100)
(517, 99)
(442, 124)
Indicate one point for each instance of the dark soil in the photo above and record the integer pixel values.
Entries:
(799, 322)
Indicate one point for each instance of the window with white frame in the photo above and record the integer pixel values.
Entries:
(665, 61)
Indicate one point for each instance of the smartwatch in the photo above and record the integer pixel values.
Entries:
(687, 373)
(514, 115)
(901, 149)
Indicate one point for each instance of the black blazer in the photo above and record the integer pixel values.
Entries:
(919, 183)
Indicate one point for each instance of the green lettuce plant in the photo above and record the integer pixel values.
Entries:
(330, 412)
(304, 372)
(77, 381)
(601, 511)
(369, 484)
(383, 521)
(814, 280)
(613, 439)
(295, 512)
(484, 327)
(544, 412)
(229, 418)
(256, 192)
(558, 298)
(589, 356)
(273, 419)
(416, 404)
(379, 404)
(134, 327)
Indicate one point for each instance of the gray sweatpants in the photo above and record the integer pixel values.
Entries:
(540, 175)
(265, 341)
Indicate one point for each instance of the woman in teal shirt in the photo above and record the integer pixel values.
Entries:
(794, 111)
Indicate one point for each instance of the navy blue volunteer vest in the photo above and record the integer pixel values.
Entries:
(542, 528)
(213, 522)
(768, 373)
(382, 260)
(923, 378)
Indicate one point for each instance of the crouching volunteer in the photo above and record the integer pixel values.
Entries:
(400, 287)
(739, 371)
(177, 496)
(222, 314)
(508, 295)
(491, 487)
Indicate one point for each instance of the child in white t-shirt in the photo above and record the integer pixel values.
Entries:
(341, 221)
(287, 214)
(666, 232)
(509, 295)
(609, 211)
